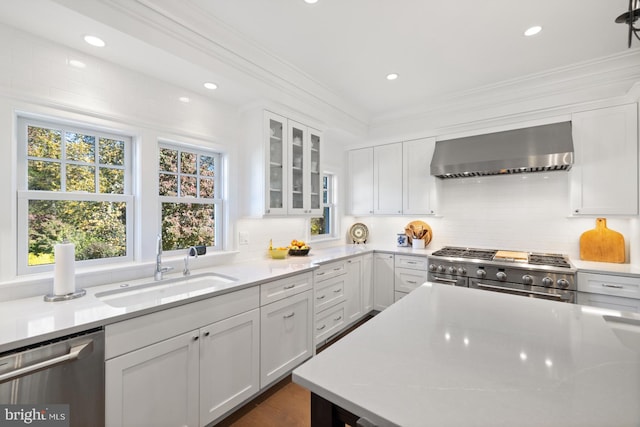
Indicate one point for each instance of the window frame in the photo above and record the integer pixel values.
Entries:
(24, 195)
(331, 204)
(217, 201)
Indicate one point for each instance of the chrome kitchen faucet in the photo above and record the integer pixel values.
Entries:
(160, 270)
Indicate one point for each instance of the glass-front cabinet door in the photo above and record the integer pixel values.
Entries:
(276, 179)
(315, 191)
(298, 168)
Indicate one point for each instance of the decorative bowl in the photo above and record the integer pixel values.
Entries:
(278, 253)
(299, 252)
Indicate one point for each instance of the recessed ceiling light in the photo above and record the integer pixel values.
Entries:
(211, 86)
(392, 76)
(184, 99)
(94, 41)
(311, 1)
(533, 31)
(77, 64)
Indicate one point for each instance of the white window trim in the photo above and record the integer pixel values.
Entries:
(217, 201)
(332, 204)
(24, 195)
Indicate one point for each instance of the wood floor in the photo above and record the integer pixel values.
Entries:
(286, 404)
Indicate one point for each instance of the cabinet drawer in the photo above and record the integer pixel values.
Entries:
(412, 262)
(329, 292)
(330, 270)
(609, 302)
(329, 322)
(282, 288)
(407, 280)
(621, 286)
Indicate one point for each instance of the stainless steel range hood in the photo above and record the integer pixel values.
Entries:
(533, 149)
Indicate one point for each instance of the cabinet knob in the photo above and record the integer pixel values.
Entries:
(206, 334)
(196, 338)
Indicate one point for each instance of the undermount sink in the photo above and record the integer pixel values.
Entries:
(164, 291)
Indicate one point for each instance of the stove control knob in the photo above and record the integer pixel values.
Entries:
(563, 283)
(547, 281)
(481, 273)
(461, 271)
(451, 270)
(440, 269)
(501, 275)
(432, 267)
(527, 279)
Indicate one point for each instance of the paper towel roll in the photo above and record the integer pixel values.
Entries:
(64, 275)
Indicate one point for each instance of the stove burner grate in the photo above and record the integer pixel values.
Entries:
(481, 254)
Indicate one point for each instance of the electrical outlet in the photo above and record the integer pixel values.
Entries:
(243, 238)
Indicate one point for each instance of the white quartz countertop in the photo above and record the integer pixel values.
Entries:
(450, 356)
(31, 320)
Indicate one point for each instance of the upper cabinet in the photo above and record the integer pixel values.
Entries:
(293, 172)
(392, 179)
(604, 178)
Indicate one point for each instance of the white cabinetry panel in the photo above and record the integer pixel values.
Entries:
(418, 186)
(383, 281)
(604, 179)
(387, 179)
(360, 169)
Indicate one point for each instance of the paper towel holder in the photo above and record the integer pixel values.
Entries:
(53, 298)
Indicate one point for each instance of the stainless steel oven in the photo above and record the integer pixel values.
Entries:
(535, 275)
(530, 291)
(67, 371)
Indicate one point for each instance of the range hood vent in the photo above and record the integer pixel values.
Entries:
(534, 149)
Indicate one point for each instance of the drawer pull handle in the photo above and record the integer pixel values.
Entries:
(338, 318)
(320, 297)
(320, 273)
(337, 269)
(411, 262)
(413, 282)
(289, 287)
(606, 285)
(289, 316)
(321, 327)
(338, 290)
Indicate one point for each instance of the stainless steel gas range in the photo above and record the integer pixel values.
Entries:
(536, 275)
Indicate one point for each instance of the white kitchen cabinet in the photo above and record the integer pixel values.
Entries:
(410, 272)
(229, 364)
(609, 291)
(285, 336)
(392, 179)
(387, 179)
(330, 293)
(168, 368)
(383, 281)
(304, 190)
(604, 178)
(155, 385)
(354, 309)
(277, 149)
(360, 169)
(418, 185)
(609, 302)
(367, 283)
(293, 175)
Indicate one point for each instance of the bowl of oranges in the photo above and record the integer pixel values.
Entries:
(298, 248)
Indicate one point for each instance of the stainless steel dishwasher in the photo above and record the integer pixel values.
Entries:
(68, 370)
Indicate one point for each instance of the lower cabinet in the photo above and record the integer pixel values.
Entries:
(156, 385)
(410, 272)
(609, 291)
(286, 336)
(383, 281)
(367, 283)
(188, 380)
(353, 290)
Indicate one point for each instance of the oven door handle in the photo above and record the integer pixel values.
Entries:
(440, 279)
(76, 352)
(522, 291)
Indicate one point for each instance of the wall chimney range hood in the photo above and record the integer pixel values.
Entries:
(532, 149)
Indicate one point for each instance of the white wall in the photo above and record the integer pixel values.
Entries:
(35, 79)
(519, 212)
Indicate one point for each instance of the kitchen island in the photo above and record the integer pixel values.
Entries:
(450, 356)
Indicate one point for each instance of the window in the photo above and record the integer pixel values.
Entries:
(73, 185)
(324, 226)
(190, 197)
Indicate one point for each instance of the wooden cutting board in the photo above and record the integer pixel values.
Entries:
(602, 244)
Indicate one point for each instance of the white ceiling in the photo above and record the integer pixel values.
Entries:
(336, 51)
